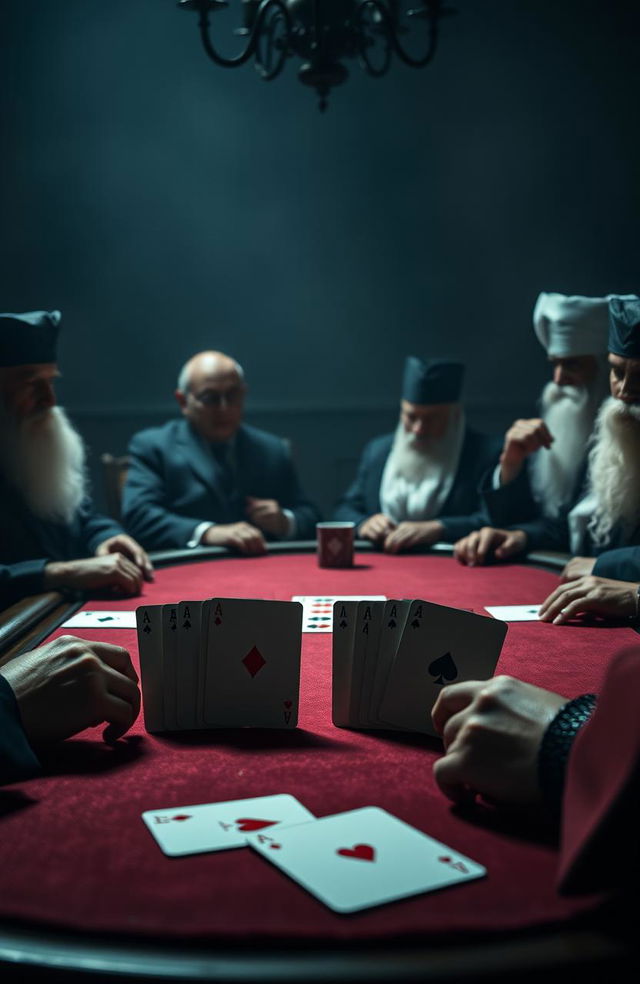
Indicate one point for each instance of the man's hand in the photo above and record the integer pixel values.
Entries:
(132, 550)
(578, 567)
(71, 684)
(376, 528)
(590, 595)
(409, 534)
(492, 732)
(239, 536)
(475, 548)
(522, 439)
(113, 573)
(267, 515)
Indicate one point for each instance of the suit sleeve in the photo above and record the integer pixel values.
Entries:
(145, 506)
(456, 527)
(21, 580)
(600, 844)
(94, 528)
(511, 504)
(305, 513)
(352, 507)
(17, 760)
(622, 564)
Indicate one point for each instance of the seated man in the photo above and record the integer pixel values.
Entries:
(606, 516)
(210, 479)
(57, 690)
(50, 536)
(518, 745)
(420, 484)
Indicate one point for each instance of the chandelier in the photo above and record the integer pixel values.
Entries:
(324, 33)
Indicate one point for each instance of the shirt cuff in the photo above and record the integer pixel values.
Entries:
(495, 479)
(293, 525)
(198, 533)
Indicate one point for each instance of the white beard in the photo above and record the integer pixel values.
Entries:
(43, 458)
(417, 477)
(614, 470)
(569, 413)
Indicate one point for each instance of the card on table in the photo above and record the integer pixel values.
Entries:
(439, 645)
(317, 610)
(101, 620)
(252, 675)
(514, 613)
(205, 827)
(363, 858)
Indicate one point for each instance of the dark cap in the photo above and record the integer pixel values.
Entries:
(436, 381)
(624, 326)
(28, 338)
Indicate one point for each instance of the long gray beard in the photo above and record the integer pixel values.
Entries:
(414, 461)
(614, 470)
(569, 413)
(43, 458)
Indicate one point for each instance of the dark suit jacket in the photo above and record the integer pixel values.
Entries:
(601, 809)
(17, 760)
(28, 543)
(513, 506)
(461, 512)
(173, 484)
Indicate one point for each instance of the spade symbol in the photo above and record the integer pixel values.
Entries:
(443, 669)
(146, 629)
(186, 624)
(343, 624)
(391, 623)
(415, 624)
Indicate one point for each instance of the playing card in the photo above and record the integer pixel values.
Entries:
(514, 613)
(149, 625)
(253, 663)
(317, 610)
(184, 830)
(187, 663)
(439, 645)
(365, 655)
(169, 665)
(362, 858)
(101, 620)
(394, 618)
(344, 626)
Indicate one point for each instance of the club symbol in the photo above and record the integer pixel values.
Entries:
(146, 629)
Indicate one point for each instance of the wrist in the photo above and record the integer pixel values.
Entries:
(55, 575)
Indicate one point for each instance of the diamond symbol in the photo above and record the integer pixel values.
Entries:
(334, 546)
(181, 816)
(254, 661)
(218, 621)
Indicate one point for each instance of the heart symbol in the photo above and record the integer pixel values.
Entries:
(287, 703)
(445, 860)
(363, 852)
(247, 823)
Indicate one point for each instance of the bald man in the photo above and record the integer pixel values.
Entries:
(209, 479)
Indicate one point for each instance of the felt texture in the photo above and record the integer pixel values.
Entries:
(74, 851)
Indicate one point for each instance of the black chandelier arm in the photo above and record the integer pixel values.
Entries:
(379, 7)
(265, 8)
(267, 74)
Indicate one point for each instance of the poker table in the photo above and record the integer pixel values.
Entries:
(85, 890)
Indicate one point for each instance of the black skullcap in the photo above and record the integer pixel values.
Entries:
(28, 338)
(624, 326)
(437, 381)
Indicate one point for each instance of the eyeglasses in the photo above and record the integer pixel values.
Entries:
(216, 398)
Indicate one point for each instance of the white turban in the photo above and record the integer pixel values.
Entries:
(571, 326)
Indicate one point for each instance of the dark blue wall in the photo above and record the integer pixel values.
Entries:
(165, 205)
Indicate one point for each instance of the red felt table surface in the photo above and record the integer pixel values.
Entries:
(75, 852)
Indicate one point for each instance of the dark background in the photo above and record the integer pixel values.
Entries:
(165, 205)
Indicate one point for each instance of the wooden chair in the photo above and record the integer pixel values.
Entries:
(114, 474)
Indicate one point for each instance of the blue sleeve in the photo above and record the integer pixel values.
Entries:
(21, 580)
(17, 760)
(621, 565)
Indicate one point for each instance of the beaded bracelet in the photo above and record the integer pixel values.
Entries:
(556, 745)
